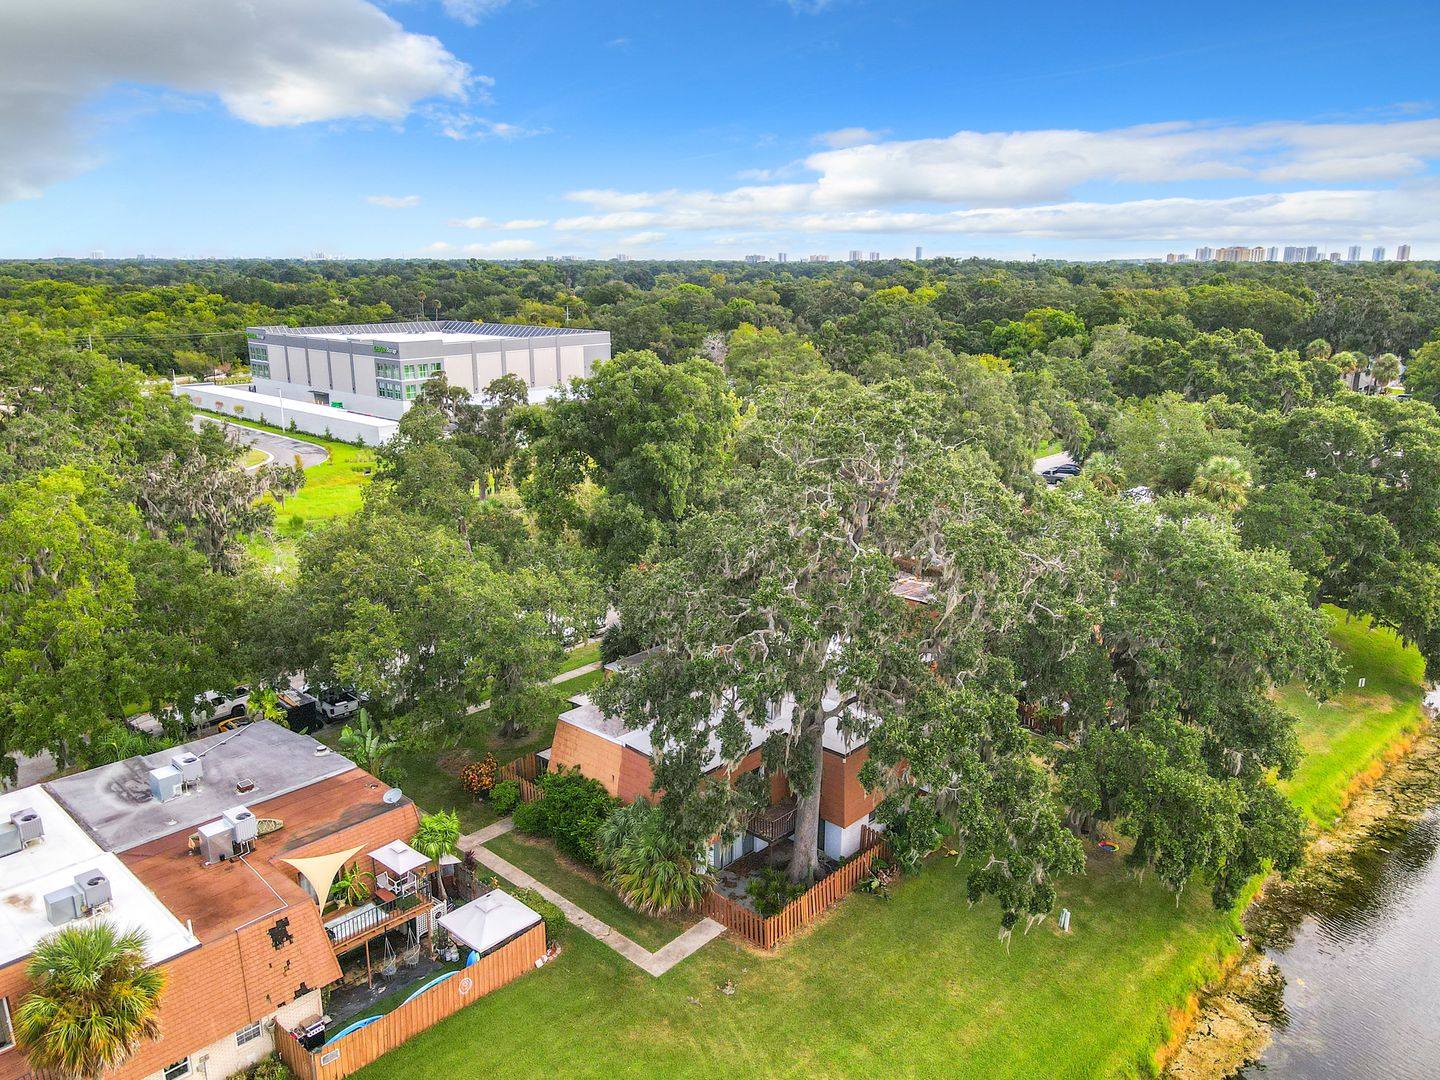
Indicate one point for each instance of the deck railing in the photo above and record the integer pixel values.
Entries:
(370, 921)
(767, 932)
(774, 822)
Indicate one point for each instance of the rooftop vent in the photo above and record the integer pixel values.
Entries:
(94, 889)
(244, 786)
(165, 783)
(189, 766)
(64, 905)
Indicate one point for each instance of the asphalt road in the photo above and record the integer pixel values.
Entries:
(281, 447)
(1051, 460)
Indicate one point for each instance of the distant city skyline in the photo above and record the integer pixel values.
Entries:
(1291, 253)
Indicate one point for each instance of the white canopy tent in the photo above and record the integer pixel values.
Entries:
(489, 921)
(399, 857)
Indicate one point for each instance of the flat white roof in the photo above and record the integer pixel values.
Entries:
(206, 394)
(52, 864)
(589, 716)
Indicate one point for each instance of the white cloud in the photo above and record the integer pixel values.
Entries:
(486, 223)
(393, 202)
(463, 125)
(268, 62)
(847, 137)
(642, 239)
(1026, 183)
(470, 12)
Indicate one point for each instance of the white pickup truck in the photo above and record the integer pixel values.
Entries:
(337, 704)
(215, 705)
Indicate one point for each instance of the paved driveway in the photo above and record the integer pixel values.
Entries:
(281, 447)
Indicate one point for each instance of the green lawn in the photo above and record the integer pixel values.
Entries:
(1345, 736)
(539, 859)
(918, 986)
(333, 489)
(433, 779)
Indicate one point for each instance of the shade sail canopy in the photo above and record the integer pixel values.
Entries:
(399, 857)
(488, 921)
(320, 870)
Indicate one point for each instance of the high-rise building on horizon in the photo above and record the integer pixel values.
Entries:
(1272, 254)
(874, 256)
(782, 257)
(855, 255)
(1353, 254)
(1204, 254)
(819, 258)
(1402, 253)
(919, 253)
(1312, 253)
(1377, 254)
(1334, 256)
(752, 259)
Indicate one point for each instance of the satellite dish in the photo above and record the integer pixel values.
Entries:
(392, 796)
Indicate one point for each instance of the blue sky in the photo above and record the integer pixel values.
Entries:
(531, 127)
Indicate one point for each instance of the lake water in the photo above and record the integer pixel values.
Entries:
(1362, 992)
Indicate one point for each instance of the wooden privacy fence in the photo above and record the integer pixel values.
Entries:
(526, 771)
(767, 932)
(358, 1049)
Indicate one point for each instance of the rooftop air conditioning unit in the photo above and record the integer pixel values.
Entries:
(189, 766)
(29, 824)
(165, 783)
(242, 823)
(217, 841)
(10, 842)
(63, 905)
(94, 889)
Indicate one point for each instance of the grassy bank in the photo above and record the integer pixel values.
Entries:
(1345, 739)
(540, 860)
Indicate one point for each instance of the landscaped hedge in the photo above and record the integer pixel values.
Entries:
(555, 921)
(570, 812)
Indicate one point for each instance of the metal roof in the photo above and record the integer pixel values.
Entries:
(429, 326)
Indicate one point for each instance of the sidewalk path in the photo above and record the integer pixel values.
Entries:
(564, 676)
(656, 963)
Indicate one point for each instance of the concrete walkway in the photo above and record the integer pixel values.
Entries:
(564, 676)
(656, 963)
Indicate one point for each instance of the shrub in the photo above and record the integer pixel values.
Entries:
(505, 796)
(531, 818)
(570, 812)
(619, 827)
(478, 777)
(770, 891)
(555, 921)
(657, 873)
(267, 1068)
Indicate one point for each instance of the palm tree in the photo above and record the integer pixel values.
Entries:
(1384, 369)
(92, 1001)
(1105, 474)
(1351, 364)
(438, 835)
(365, 744)
(1222, 481)
(1319, 349)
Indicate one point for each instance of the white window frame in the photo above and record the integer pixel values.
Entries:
(249, 1033)
(176, 1069)
(7, 1033)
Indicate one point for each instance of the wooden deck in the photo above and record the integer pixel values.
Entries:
(369, 924)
